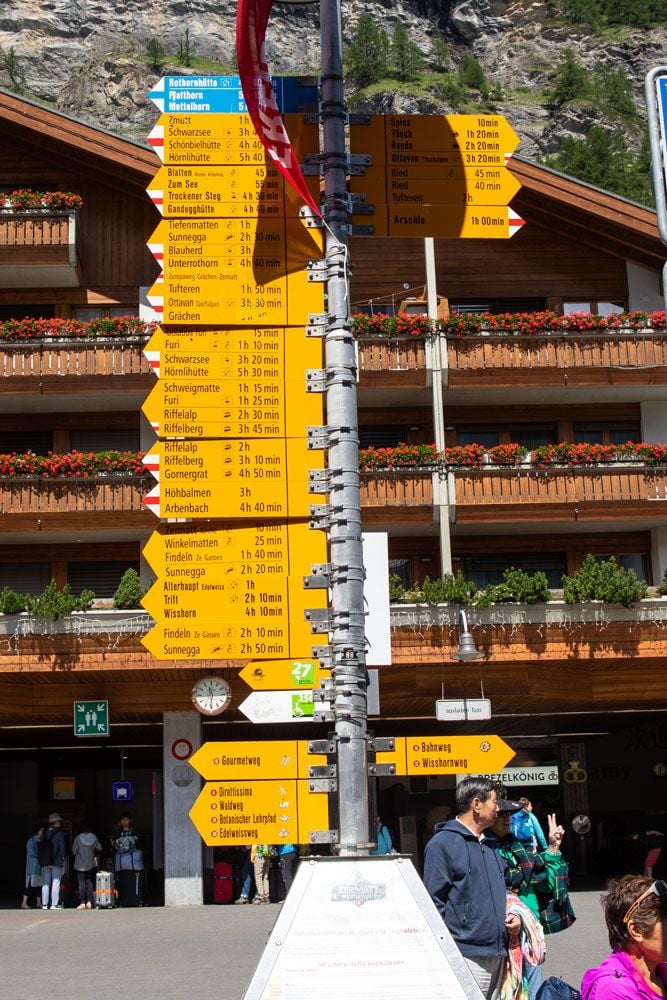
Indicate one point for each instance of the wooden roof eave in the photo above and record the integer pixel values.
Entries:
(588, 215)
(81, 145)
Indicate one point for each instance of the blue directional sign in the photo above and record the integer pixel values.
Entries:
(223, 94)
(662, 104)
(122, 791)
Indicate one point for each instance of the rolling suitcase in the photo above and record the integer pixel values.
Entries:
(129, 885)
(223, 882)
(105, 891)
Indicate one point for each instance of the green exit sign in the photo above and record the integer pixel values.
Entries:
(91, 718)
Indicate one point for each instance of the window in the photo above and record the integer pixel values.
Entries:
(496, 306)
(372, 308)
(478, 435)
(638, 561)
(382, 435)
(488, 568)
(20, 312)
(401, 568)
(100, 577)
(529, 435)
(598, 308)
(25, 578)
(108, 440)
(93, 312)
(606, 431)
(39, 442)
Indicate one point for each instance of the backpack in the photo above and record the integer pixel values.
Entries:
(45, 851)
(522, 828)
(555, 989)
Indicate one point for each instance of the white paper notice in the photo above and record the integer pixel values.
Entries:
(360, 927)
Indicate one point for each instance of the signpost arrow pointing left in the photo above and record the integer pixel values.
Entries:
(274, 706)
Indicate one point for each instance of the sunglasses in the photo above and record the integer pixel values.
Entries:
(660, 890)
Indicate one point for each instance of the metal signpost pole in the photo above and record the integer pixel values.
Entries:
(346, 557)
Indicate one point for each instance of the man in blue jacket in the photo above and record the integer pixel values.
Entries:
(466, 880)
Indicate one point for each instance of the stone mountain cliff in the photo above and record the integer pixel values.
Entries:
(89, 58)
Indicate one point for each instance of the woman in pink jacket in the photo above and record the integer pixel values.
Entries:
(636, 913)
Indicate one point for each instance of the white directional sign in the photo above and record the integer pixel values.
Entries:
(91, 718)
(462, 709)
(278, 706)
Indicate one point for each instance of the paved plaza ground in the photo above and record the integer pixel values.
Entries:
(199, 952)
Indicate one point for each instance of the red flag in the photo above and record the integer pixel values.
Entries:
(251, 19)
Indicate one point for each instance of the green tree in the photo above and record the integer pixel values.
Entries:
(14, 70)
(471, 74)
(570, 80)
(439, 57)
(156, 55)
(129, 591)
(604, 160)
(186, 49)
(406, 58)
(450, 91)
(614, 90)
(368, 51)
(583, 12)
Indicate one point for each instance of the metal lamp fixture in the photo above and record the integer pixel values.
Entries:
(467, 651)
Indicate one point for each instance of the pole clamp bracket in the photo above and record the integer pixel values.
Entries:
(316, 380)
(318, 270)
(319, 579)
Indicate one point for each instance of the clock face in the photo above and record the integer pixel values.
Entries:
(211, 695)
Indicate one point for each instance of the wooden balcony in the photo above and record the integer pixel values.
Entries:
(64, 366)
(600, 493)
(37, 504)
(623, 358)
(399, 362)
(403, 497)
(39, 250)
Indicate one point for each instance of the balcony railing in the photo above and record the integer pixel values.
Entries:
(607, 358)
(39, 250)
(625, 491)
(405, 496)
(398, 361)
(576, 359)
(40, 504)
(70, 362)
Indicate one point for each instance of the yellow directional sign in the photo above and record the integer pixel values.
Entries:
(203, 391)
(283, 675)
(207, 462)
(209, 299)
(232, 479)
(252, 812)
(265, 243)
(261, 549)
(225, 191)
(443, 221)
(242, 409)
(169, 350)
(217, 248)
(264, 760)
(208, 594)
(400, 186)
(402, 140)
(225, 138)
(448, 754)
(195, 640)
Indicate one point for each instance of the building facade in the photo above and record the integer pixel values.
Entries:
(575, 688)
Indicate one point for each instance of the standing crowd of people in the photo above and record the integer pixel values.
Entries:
(51, 862)
(501, 886)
